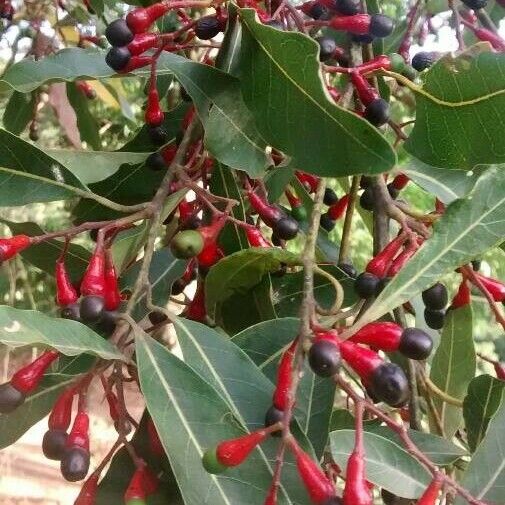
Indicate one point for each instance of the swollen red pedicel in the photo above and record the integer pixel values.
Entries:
(28, 378)
(65, 291)
(337, 210)
(284, 377)
(235, 451)
(61, 413)
(142, 43)
(112, 295)
(140, 20)
(142, 484)
(463, 296)
(494, 286)
(9, 247)
(93, 282)
(88, 493)
(382, 261)
(255, 237)
(359, 24)
(154, 116)
(431, 493)
(382, 335)
(78, 436)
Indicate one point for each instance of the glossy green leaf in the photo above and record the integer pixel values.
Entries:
(19, 328)
(86, 123)
(485, 476)
(282, 87)
(481, 402)
(388, 465)
(241, 271)
(459, 122)
(468, 228)
(191, 417)
(453, 365)
(127, 245)
(18, 112)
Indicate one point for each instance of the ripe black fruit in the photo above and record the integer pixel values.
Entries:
(423, 60)
(434, 318)
(117, 58)
(157, 317)
(207, 27)
(71, 311)
(53, 444)
(362, 39)
(327, 222)
(324, 358)
(366, 181)
(108, 322)
(348, 268)
(10, 398)
(92, 308)
(436, 297)
(118, 33)
(330, 197)
(156, 162)
(318, 11)
(348, 7)
(187, 244)
(273, 416)
(367, 200)
(327, 48)
(380, 25)
(286, 228)
(389, 383)
(475, 4)
(178, 287)
(415, 344)
(158, 135)
(377, 112)
(366, 285)
(276, 241)
(74, 464)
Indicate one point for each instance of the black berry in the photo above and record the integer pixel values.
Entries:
(207, 27)
(423, 60)
(366, 285)
(74, 464)
(327, 48)
(178, 287)
(393, 192)
(107, 323)
(330, 197)
(436, 297)
(348, 7)
(118, 33)
(377, 112)
(362, 39)
(318, 11)
(367, 199)
(157, 317)
(117, 58)
(475, 4)
(158, 135)
(434, 318)
(327, 222)
(156, 162)
(71, 312)
(366, 181)
(10, 398)
(389, 383)
(286, 228)
(273, 416)
(380, 25)
(92, 308)
(415, 344)
(53, 444)
(276, 240)
(324, 358)
(349, 269)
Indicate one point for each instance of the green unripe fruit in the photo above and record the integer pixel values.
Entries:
(299, 213)
(397, 63)
(210, 462)
(187, 244)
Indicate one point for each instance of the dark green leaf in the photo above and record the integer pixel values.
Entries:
(127, 245)
(18, 112)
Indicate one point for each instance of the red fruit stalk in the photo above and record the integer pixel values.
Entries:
(9, 247)
(137, 62)
(211, 252)
(169, 153)
(499, 369)
(462, 297)
(154, 115)
(65, 291)
(366, 92)
(93, 282)
(61, 414)
(268, 213)
(140, 20)
(337, 210)
(28, 378)
(78, 436)
(431, 493)
(494, 286)
(196, 309)
(400, 261)
(255, 237)
(294, 201)
(142, 484)
(284, 377)
(380, 263)
(379, 62)
(400, 181)
(382, 335)
(235, 451)
(85, 88)
(87, 496)
(271, 498)
(362, 360)
(356, 490)
(318, 486)
(358, 24)
(142, 43)
(308, 180)
(112, 295)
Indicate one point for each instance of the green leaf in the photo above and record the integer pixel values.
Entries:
(191, 417)
(468, 228)
(39, 404)
(18, 112)
(19, 328)
(481, 402)
(458, 120)
(485, 476)
(264, 343)
(29, 175)
(453, 365)
(127, 245)
(277, 180)
(388, 465)
(242, 270)
(45, 254)
(282, 87)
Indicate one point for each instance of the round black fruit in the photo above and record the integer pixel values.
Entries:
(10, 398)
(158, 135)
(156, 162)
(178, 287)
(92, 308)
(327, 222)
(107, 323)
(367, 199)
(366, 181)
(324, 358)
(327, 48)
(286, 228)
(362, 39)
(377, 112)
(71, 311)
(74, 464)
(274, 416)
(349, 269)
(366, 285)
(318, 11)
(207, 27)
(380, 25)
(415, 344)
(117, 58)
(475, 4)
(348, 7)
(118, 33)
(157, 317)
(434, 318)
(53, 444)
(436, 297)
(389, 383)
(187, 244)
(423, 60)
(330, 197)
